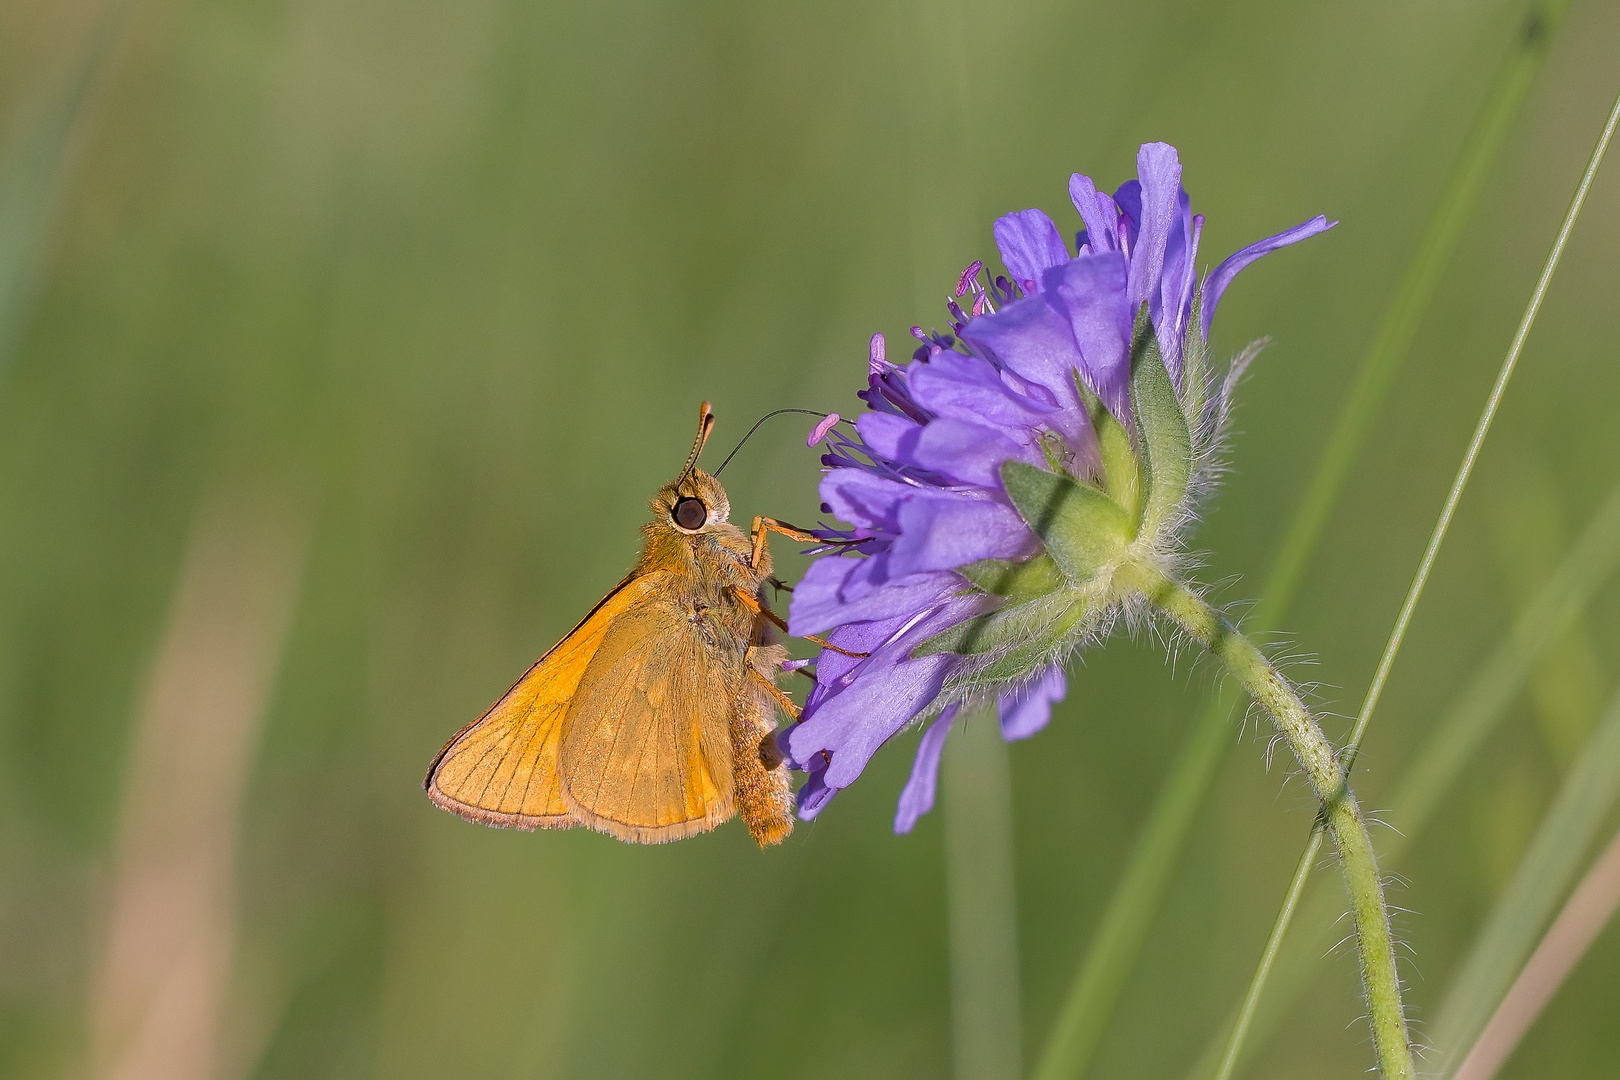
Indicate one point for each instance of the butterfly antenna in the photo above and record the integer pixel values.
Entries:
(761, 420)
(705, 426)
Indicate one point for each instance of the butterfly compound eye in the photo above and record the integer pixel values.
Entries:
(690, 513)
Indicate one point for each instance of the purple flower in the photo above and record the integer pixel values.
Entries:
(992, 487)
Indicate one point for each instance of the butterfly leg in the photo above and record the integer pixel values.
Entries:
(764, 526)
(752, 603)
(771, 688)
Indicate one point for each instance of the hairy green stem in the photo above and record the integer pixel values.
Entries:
(1342, 813)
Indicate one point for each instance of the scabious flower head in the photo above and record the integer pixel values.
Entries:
(997, 483)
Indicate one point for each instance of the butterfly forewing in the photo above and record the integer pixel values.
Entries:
(502, 768)
(646, 753)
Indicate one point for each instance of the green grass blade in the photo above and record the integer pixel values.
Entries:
(1542, 880)
(32, 168)
(1472, 716)
(1567, 690)
(1089, 1003)
(1251, 1000)
(1588, 911)
(986, 1039)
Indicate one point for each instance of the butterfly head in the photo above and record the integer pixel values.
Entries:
(693, 503)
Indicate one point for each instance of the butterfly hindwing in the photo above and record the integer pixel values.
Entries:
(646, 753)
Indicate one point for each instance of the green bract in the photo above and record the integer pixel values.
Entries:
(1090, 527)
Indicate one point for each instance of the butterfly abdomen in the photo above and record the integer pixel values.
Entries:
(760, 781)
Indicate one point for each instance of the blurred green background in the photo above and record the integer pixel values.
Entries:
(399, 312)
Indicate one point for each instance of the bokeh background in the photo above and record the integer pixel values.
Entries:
(341, 344)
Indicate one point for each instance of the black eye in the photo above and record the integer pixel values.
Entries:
(690, 513)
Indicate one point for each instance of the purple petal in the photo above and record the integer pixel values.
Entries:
(968, 453)
(944, 530)
(814, 794)
(816, 598)
(884, 691)
(1098, 211)
(1090, 295)
(1033, 340)
(1217, 282)
(918, 797)
(869, 502)
(1129, 200)
(1160, 173)
(1026, 710)
(1172, 301)
(1029, 244)
(835, 670)
(1035, 343)
(970, 388)
(888, 435)
(835, 591)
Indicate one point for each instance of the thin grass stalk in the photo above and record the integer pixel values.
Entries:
(1094, 992)
(1251, 1000)
(1589, 565)
(1546, 871)
(1589, 909)
(1404, 619)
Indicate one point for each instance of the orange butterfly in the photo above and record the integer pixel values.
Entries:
(651, 721)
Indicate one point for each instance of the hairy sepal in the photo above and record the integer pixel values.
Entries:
(1166, 440)
(1035, 627)
(1117, 454)
(1015, 582)
(1195, 366)
(1084, 531)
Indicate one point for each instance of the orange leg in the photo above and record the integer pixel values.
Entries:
(775, 692)
(763, 526)
(753, 604)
